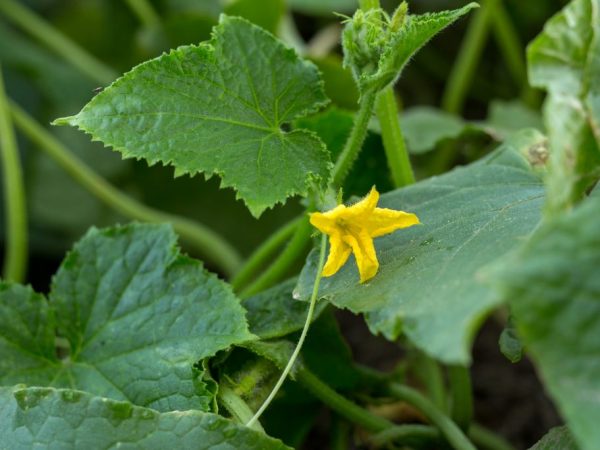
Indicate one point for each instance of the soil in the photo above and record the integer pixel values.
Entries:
(509, 399)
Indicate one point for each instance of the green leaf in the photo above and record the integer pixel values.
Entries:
(505, 118)
(137, 315)
(427, 285)
(425, 127)
(558, 438)
(563, 59)
(553, 287)
(377, 52)
(66, 419)
(275, 313)
(218, 108)
(26, 336)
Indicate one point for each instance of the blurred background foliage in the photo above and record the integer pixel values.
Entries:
(121, 34)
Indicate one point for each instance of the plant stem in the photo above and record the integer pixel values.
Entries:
(508, 40)
(206, 241)
(263, 253)
(511, 47)
(487, 440)
(356, 138)
(145, 13)
(429, 372)
(340, 430)
(283, 262)
(309, 316)
(57, 42)
(403, 434)
(453, 434)
(393, 140)
(468, 57)
(236, 406)
(462, 396)
(15, 259)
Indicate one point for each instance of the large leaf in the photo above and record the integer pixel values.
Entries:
(137, 315)
(554, 291)
(565, 60)
(427, 285)
(219, 108)
(72, 420)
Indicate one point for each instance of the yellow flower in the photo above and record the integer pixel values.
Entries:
(352, 229)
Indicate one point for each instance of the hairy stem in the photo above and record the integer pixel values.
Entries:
(260, 256)
(309, 316)
(15, 259)
(49, 36)
(462, 396)
(393, 140)
(453, 434)
(282, 264)
(356, 138)
(203, 239)
(236, 406)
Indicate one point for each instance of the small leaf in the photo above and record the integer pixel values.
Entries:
(427, 285)
(553, 289)
(412, 36)
(137, 315)
(377, 52)
(218, 108)
(74, 420)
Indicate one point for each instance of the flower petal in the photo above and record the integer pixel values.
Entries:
(383, 221)
(339, 252)
(324, 222)
(364, 252)
(364, 207)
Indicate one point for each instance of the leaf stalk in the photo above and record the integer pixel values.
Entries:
(16, 243)
(309, 316)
